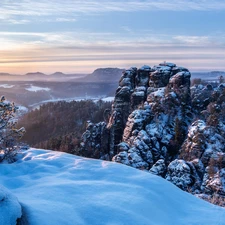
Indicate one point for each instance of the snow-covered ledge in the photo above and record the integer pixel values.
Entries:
(10, 209)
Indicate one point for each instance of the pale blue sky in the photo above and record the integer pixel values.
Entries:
(79, 36)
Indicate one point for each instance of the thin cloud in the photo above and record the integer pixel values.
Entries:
(85, 39)
(193, 40)
(26, 11)
(57, 7)
(71, 50)
(13, 21)
(137, 57)
(127, 29)
(66, 20)
(120, 54)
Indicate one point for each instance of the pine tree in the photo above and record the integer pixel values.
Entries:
(179, 132)
(179, 136)
(8, 131)
(221, 79)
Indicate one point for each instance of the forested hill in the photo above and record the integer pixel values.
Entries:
(59, 125)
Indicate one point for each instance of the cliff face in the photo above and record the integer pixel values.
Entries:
(149, 104)
(157, 123)
(150, 128)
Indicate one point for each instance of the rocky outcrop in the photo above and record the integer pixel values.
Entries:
(150, 129)
(201, 97)
(159, 168)
(121, 108)
(140, 110)
(95, 141)
(179, 173)
(161, 125)
(205, 143)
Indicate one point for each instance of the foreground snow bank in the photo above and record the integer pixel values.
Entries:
(62, 189)
(10, 209)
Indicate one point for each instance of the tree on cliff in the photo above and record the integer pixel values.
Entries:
(8, 131)
(221, 79)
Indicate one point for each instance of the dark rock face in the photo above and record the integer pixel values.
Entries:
(121, 108)
(95, 141)
(205, 144)
(153, 127)
(201, 97)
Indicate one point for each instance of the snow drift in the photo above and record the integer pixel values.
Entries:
(58, 188)
(10, 209)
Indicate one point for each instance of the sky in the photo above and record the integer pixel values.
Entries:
(76, 36)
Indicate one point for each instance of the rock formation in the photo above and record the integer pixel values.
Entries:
(150, 127)
(161, 125)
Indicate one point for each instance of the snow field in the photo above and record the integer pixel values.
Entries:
(57, 188)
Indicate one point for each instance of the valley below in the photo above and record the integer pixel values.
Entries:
(32, 94)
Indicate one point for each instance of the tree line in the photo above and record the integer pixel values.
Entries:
(60, 125)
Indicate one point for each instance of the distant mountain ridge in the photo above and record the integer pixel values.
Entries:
(39, 76)
(208, 75)
(99, 75)
(5, 74)
(35, 74)
(58, 74)
(104, 75)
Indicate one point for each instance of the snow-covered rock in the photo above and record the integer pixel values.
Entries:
(95, 141)
(10, 208)
(204, 147)
(159, 168)
(215, 182)
(179, 173)
(168, 128)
